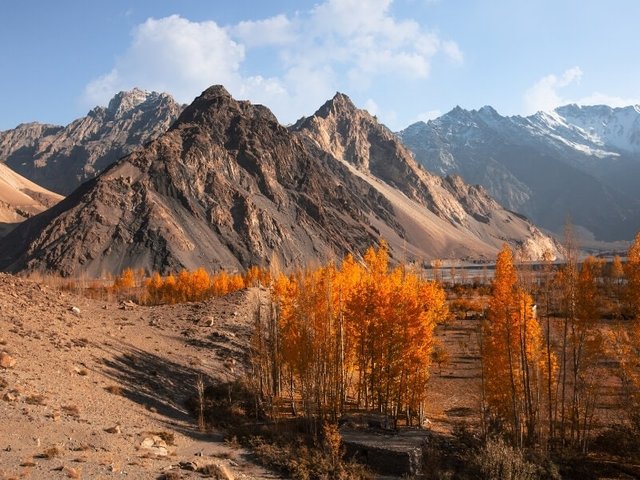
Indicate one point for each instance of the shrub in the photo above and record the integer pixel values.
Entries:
(499, 461)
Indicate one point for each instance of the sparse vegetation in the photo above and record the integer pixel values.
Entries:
(497, 460)
(557, 341)
(115, 389)
(52, 452)
(71, 410)
(300, 460)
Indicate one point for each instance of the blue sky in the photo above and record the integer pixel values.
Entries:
(403, 60)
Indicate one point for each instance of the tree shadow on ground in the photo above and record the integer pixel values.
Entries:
(153, 381)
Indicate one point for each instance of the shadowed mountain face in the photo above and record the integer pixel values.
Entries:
(577, 162)
(61, 158)
(228, 186)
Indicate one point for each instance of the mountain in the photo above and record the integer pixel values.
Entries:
(579, 162)
(441, 217)
(61, 158)
(21, 199)
(228, 186)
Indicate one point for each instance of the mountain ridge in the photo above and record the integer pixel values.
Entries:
(227, 186)
(60, 158)
(542, 165)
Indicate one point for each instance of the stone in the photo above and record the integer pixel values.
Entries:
(155, 446)
(10, 397)
(191, 466)
(6, 360)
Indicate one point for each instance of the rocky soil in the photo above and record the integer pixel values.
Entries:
(96, 388)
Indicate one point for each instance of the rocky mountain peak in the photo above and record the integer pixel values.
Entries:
(490, 113)
(356, 138)
(125, 101)
(574, 160)
(228, 186)
(213, 108)
(339, 105)
(61, 158)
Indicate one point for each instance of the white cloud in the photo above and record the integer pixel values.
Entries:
(175, 55)
(365, 38)
(452, 50)
(545, 94)
(276, 30)
(345, 45)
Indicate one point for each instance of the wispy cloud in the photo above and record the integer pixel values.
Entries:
(547, 93)
(337, 45)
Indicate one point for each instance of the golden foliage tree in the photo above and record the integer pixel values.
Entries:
(359, 331)
(514, 361)
(629, 345)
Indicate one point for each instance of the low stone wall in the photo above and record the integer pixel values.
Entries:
(386, 453)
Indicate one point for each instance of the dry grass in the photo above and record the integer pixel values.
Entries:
(115, 389)
(71, 410)
(52, 452)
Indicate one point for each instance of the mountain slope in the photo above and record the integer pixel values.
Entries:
(61, 158)
(543, 166)
(444, 217)
(21, 199)
(228, 186)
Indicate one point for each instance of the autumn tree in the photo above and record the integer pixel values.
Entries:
(126, 280)
(585, 351)
(566, 284)
(629, 343)
(362, 331)
(632, 272)
(514, 365)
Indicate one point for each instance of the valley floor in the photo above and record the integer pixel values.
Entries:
(100, 393)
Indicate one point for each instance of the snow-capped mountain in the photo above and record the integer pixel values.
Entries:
(577, 162)
(613, 128)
